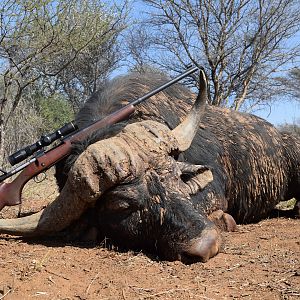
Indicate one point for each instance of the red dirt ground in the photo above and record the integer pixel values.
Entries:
(259, 261)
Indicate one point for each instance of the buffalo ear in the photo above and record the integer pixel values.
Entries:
(196, 177)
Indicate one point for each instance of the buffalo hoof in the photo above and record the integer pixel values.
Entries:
(203, 248)
(223, 221)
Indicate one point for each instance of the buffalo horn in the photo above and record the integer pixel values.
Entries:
(92, 174)
(186, 130)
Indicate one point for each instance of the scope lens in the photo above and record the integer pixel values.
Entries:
(17, 157)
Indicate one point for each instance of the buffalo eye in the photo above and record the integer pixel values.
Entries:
(123, 198)
(117, 205)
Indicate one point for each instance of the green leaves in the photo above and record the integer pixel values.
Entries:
(55, 111)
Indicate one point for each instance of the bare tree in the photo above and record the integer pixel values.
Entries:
(100, 25)
(241, 43)
(138, 42)
(292, 83)
(53, 45)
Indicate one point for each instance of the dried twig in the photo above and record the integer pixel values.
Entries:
(123, 294)
(89, 286)
(4, 295)
(169, 292)
(56, 274)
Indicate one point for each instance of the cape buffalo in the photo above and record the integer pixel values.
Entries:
(152, 184)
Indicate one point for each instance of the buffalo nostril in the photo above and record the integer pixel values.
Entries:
(205, 246)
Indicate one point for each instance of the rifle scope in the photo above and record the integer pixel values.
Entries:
(45, 140)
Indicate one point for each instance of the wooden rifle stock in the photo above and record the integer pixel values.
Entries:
(10, 193)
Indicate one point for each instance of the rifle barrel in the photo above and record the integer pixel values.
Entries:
(164, 86)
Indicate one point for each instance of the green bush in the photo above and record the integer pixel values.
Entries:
(55, 112)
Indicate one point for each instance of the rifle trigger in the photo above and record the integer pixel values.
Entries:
(40, 177)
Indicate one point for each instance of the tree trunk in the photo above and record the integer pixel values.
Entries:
(2, 139)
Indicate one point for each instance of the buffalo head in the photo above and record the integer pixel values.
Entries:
(140, 193)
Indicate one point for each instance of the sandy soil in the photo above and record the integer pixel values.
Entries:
(260, 261)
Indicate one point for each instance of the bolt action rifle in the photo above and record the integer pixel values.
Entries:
(41, 160)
